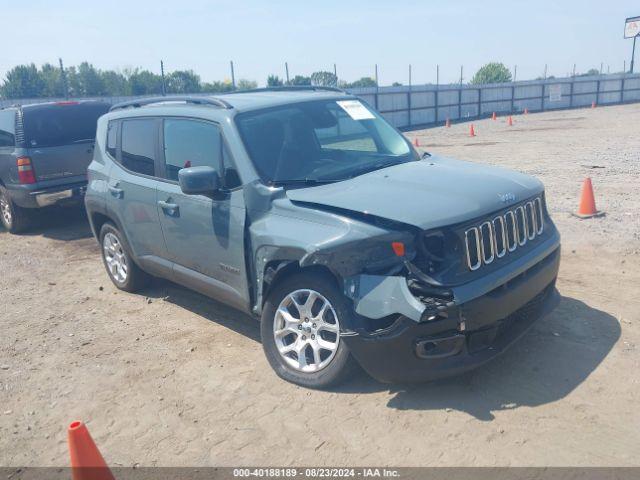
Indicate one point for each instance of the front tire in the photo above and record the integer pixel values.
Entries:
(14, 218)
(300, 330)
(122, 270)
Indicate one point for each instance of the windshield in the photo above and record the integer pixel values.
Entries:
(62, 124)
(320, 141)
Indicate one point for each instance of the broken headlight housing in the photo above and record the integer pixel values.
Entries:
(439, 252)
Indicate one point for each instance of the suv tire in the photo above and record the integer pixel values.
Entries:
(312, 328)
(122, 270)
(14, 218)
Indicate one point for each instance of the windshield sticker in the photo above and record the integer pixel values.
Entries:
(356, 110)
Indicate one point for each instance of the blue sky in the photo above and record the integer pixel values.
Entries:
(261, 35)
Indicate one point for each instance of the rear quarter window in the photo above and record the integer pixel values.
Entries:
(61, 124)
(7, 128)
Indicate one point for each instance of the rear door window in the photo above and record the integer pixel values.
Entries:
(7, 128)
(139, 145)
(61, 124)
(191, 143)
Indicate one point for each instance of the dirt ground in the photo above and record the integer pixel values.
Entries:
(169, 377)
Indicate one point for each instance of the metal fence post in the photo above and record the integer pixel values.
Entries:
(598, 92)
(513, 94)
(571, 92)
(479, 102)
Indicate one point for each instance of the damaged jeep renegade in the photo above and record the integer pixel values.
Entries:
(305, 209)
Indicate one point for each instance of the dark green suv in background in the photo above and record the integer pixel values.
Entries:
(44, 152)
(306, 209)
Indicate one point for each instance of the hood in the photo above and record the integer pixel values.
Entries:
(429, 193)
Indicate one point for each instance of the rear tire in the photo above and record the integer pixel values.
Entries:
(122, 270)
(14, 218)
(301, 337)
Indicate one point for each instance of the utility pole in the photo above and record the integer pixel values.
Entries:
(574, 70)
(409, 76)
(515, 72)
(63, 77)
(437, 75)
(164, 91)
(461, 70)
(376, 75)
(286, 69)
(335, 73)
(601, 65)
(545, 71)
(233, 75)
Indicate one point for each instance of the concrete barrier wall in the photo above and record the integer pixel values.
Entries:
(422, 105)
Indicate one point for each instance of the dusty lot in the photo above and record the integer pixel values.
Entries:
(169, 377)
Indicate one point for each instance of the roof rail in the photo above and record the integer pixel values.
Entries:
(215, 102)
(289, 88)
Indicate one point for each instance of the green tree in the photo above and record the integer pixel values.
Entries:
(493, 72)
(88, 81)
(324, 79)
(362, 82)
(244, 84)
(115, 83)
(183, 81)
(53, 83)
(23, 81)
(217, 87)
(300, 80)
(590, 72)
(274, 81)
(143, 82)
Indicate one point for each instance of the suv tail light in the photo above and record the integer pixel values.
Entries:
(25, 170)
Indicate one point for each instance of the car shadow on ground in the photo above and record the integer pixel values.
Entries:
(553, 359)
(58, 223)
(547, 364)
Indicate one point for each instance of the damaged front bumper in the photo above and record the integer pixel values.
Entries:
(449, 336)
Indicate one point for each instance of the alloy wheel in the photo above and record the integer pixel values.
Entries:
(5, 210)
(306, 331)
(115, 257)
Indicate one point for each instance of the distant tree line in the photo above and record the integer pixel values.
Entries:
(29, 81)
(85, 80)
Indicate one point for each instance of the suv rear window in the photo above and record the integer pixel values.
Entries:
(61, 124)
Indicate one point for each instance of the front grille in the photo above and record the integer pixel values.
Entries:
(503, 234)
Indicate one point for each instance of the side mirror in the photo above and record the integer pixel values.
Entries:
(199, 180)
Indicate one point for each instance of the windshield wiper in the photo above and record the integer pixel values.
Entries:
(300, 181)
(373, 168)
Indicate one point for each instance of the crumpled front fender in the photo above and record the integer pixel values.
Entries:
(378, 296)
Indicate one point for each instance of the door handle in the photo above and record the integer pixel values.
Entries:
(171, 208)
(115, 191)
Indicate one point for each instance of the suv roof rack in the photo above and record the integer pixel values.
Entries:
(215, 102)
(289, 88)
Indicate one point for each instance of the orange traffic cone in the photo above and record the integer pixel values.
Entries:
(86, 461)
(510, 121)
(526, 110)
(416, 142)
(447, 123)
(593, 104)
(587, 207)
(494, 116)
(472, 131)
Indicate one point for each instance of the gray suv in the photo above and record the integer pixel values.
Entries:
(45, 149)
(305, 209)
